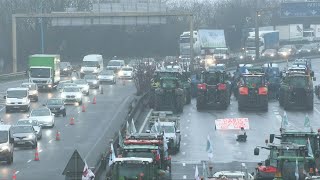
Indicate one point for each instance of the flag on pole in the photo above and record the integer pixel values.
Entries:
(158, 155)
(196, 174)
(209, 147)
(310, 153)
(165, 145)
(112, 156)
(285, 121)
(307, 121)
(128, 131)
(121, 143)
(87, 174)
(133, 127)
(296, 173)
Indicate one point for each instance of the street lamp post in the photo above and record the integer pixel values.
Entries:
(41, 29)
(257, 44)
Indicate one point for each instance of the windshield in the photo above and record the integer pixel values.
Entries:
(40, 112)
(284, 50)
(28, 122)
(90, 63)
(127, 69)
(253, 81)
(168, 129)
(17, 93)
(298, 81)
(22, 129)
(114, 63)
(169, 83)
(185, 40)
(3, 136)
(54, 102)
(80, 81)
(71, 89)
(107, 73)
(40, 73)
(90, 77)
(132, 170)
(269, 51)
(220, 51)
(29, 86)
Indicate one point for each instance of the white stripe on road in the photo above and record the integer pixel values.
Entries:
(184, 177)
(317, 110)
(145, 121)
(29, 161)
(2, 108)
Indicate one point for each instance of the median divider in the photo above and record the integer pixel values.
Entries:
(12, 76)
(135, 108)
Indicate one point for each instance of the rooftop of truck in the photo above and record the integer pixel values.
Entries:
(44, 55)
(139, 147)
(134, 159)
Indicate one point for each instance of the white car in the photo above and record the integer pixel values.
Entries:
(83, 84)
(71, 95)
(44, 116)
(233, 175)
(107, 76)
(17, 99)
(126, 72)
(33, 122)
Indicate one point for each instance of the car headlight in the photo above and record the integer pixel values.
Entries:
(5, 148)
(271, 55)
(120, 73)
(241, 57)
(65, 69)
(224, 57)
(78, 96)
(309, 50)
(30, 136)
(81, 70)
(33, 92)
(95, 70)
(63, 95)
(62, 107)
(8, 101)
(74, 78)
(95, 82)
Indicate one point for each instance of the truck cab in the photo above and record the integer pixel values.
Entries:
(91, 64)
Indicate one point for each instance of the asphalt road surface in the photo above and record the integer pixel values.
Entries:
(90, 135)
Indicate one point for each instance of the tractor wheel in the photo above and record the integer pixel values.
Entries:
(179, 103)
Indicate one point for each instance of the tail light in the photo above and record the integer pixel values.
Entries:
(263, 90)
(202, 86)
(243, 91)
(222, 87)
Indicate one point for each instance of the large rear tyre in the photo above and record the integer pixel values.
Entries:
(179, 104)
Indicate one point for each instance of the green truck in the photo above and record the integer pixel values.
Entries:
(44, 70)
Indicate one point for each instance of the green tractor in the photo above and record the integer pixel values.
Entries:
(296, 90)
(284, 161)
(170, 95)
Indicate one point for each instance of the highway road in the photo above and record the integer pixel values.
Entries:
(228, 153)
(90, 135)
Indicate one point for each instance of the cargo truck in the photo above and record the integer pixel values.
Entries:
(44, 70)
(290, 32)
(267, 40)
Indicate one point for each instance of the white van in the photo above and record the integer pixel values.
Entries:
(115, 65)
(6, 144)
(92, 63)
(17, 99)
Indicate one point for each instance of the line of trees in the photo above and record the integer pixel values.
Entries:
(139, 41)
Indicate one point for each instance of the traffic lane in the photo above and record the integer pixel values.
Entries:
(196, 126)
(83, 136)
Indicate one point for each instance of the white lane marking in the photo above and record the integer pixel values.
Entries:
(78, 111)
(184, 144)
(183, 164)
(115, 115)
(183, 153)
(185, 135)
(40, 150)
(66, 125)
(189, 114)
(188, 120)
(184, 177)
(50, 141)
(317, 110)
(29, 161)
(2, 108)
(17, 172)
(145, 122)
(187, 127)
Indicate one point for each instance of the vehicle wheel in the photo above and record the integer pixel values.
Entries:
(10, 160)
(7, 110)
(64, 114)
(188, 99)
(28, 109)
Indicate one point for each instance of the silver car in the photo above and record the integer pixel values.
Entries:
(32, 122)
(107, 76)
(24, 136)
(92, 80)
(44, 116)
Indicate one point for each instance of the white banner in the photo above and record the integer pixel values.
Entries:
(232, 123)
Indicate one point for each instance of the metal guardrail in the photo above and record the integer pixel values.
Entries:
(12, 76)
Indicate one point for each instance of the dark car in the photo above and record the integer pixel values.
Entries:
(56, 105)
(65, 68)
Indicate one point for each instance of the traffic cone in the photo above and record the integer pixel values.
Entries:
(58, 136)
(83, 108)
(71, 121)
(36, 155)
(94, 101)
(14, 175)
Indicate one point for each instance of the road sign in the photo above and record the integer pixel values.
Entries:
(75, 166)
(300, 9)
